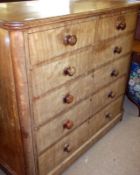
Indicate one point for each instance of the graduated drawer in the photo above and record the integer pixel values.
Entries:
(116, 24)
(65, 123)
(45, 45)
(69, 144)
(50, 76)
(54, 103)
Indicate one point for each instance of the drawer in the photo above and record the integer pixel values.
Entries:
(63, 149)
(65, 123)
(112, 26)
(103, 117)
(72, 92)
(109, 50)
(45, 45)
(110, 72)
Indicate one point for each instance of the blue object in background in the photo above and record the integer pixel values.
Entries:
(134, 83)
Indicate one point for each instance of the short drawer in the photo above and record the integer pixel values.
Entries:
(113, 49)
(110, 72)
(69, 144)
(45, 45)
(103, 117)
(55, 102)
(112, 26)
(65, 123)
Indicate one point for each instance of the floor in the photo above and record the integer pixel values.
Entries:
(117, 153)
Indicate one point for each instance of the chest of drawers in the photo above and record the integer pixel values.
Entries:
(62, 80)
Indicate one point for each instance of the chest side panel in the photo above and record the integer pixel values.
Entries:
(11, 152)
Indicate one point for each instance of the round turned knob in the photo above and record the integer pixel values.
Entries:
(70, 40)
(70, 71)
(121, 26)
(114, 73)
(108, 115)
(111, 94)
(67, 148)
(117, 50)
(68, 99)
(68, 124)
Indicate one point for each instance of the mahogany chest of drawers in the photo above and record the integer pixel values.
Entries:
(62, 80)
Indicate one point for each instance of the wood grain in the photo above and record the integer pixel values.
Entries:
(22, 95)
(11, 150)
(54, 130)
(50, 76)
(105, 50)
(76, 138)
(75, 155)
(107, 25)
(45, 58)
(43, 108)
(103, 76)
(46, 45)
(97, 80)
(25, 15)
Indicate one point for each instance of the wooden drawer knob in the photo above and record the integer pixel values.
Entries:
(121, 23)
(68, 99)
(67, 148)
(70, 71)
(70, 40)
(68, 124)
(121, 26)
(114, 73)
(108, 115)
(112, 94)
(117, 50)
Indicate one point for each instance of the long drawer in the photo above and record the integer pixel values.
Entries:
(65, 123)
(63, 149)
(112, 26)
(50, 76)
(45, 45)
(54, 103)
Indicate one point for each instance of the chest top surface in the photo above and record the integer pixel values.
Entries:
(23, 13)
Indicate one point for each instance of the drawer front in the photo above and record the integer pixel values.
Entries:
(110, 72)
(43, 108)
(109, 50)
(46, 45)
(103, 117)
(64, 124)
(115, 25)
(63, 149)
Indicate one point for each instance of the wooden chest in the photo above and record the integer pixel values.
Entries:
(62, 80)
